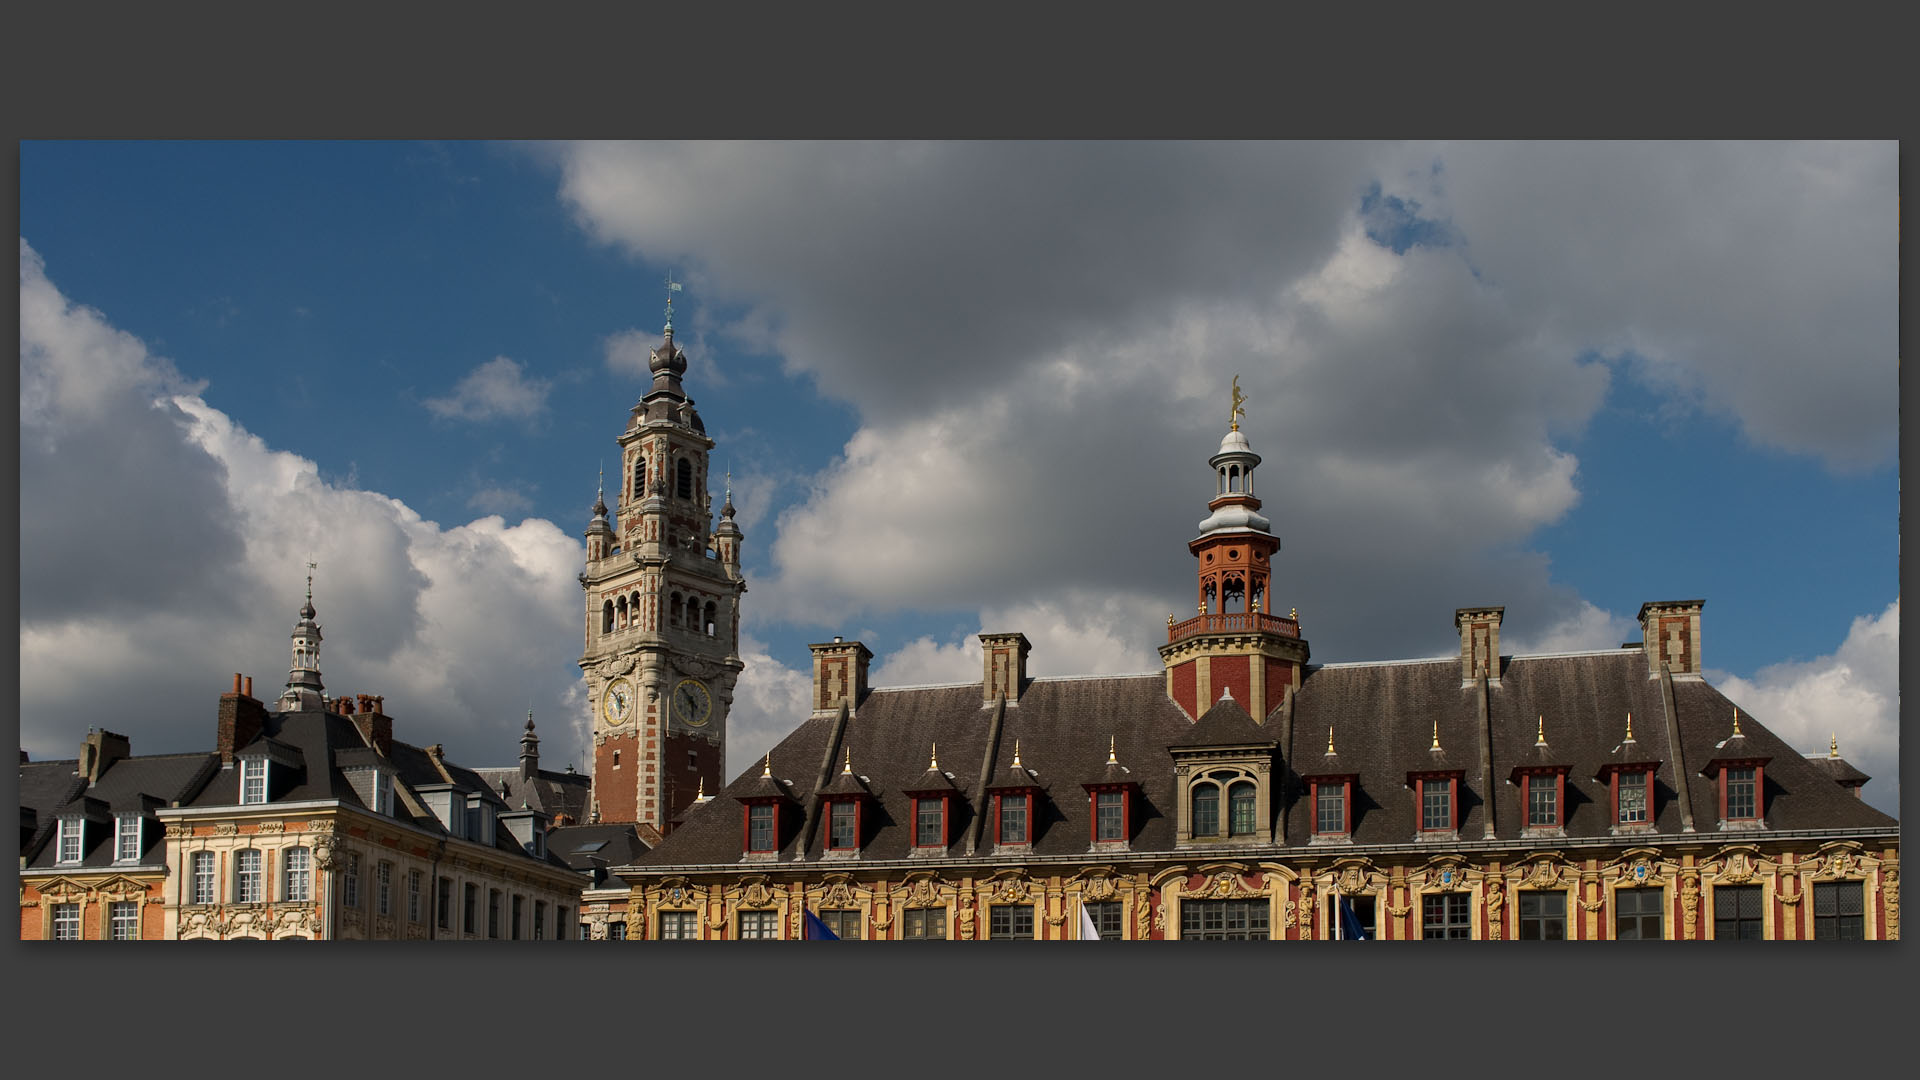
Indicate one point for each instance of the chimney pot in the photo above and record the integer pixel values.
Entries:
(249, 690)
(839, 674)
(236, 682)
(1479, 642)
(1003, 660)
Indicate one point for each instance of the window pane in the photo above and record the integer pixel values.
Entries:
(1839, 911)
(1240, 806)
(845, 923)
(1436, 803)
(1633, 798)
(1331, 816)
(126, 921)
(843, 833)
(203, 877)
(1445, 915)
(758, 925)
(1637, 914)
(1010, 922)
(1013, 819)
(1206, 810)
(926, 924)
(1223, 920)
(1543, 916)
(294, 884)
(760, 828)
(1736, 913)
(1106, 919)
(129, 835)
(1543, 804)
(928, 824)
(66, 922)
(1740, 793)
(247, 883)
(1112, 820)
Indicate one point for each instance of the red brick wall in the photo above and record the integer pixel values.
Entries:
(1183, 688)
(1232, 673)
(614, 788)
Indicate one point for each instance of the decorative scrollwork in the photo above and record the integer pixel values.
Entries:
(1545, 874)
(1098, 887)
(1890, 900)
(271, 827)
(225, 828)
(838, 895)
(1012, 889)
(1226, 885)
(1841, 864)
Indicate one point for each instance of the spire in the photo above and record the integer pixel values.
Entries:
(933, 757)
(1736, 723)
(1112, 759)
(1629, 737)
(672, 287)
(1540, 734)
(529, 750)
(1329, 738)
(1016, 754)
(847, 769)
(1833, 744)
(1436, 736)
(304, 690)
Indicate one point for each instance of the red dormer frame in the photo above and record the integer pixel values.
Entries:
(1419, 782)
(1611, 773)
(1343, 781)
(1526, 777)
(1094, 791)
(945, 799)
(999, 815)
(859, 822)
(1717, 769)
(746, 825)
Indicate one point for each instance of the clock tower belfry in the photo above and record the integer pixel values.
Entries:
(663, 588)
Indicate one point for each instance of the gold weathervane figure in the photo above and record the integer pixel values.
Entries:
(1239, 405)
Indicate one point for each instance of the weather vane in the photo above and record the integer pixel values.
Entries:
(1239, 404)
(672, 287)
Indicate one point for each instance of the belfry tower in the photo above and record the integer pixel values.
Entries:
(1233, 644)
(663, 592)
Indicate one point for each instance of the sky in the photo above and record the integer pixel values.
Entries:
(961, 388)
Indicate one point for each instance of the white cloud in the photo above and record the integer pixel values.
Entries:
(629, 352)
(769, 701)
(496, 389)
(495, 499)
(1852, 694)
(1581, 629)
(436, 619)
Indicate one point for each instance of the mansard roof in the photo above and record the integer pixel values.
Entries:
(1385, 716)
(52, 789)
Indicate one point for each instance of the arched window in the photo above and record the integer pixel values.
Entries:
(296, 878)
(620, 614)
(1233, 478)
(639, 476)
(606, 617)
(633, 609)
(685, 479)
(1220, 481)
(1240, 808)
(673, 609)
(1232, 591)
(711, 610)
(1206, 809)
(249, 881)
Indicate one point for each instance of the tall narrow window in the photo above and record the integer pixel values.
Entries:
(382, 793)
(1330, 808)
(639, 475)
(514, 927)
(1436, 804)
(617, 928)
(1543, 916)
(66, 922)
(1240, 806)
(70, 839)
(1740, 797)
(1013, 819)
(443, 903)
(247, 877)
(493, 913)
(127, 838)
(413, 895)
(760, 827)
(350, 881)
(125, 916)
(1839, 910)
(844, 833)
(1633, 798)
(253, 781)
(929, 824)
(203, 877)
(606, 617)
(1110, 813)
(1206, 810)
(539, 920)
(383, 888)
(470, 908)
(1105, 916)
(1543, 801)
(296, 875)
(684, 478)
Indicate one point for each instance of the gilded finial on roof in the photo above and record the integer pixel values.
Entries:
(848, 767)
(1111, 758)
(1016, 754)
(1629, 727)
(1736, 720)
(1436, 736)
(1294, 614)
(1169, 620)
(701, 791)
(1540, 734)
(1329, 738)
(1239, 404)
(767, 769)
(933, 756)
(1833, 745)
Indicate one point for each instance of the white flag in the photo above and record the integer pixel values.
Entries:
(1088, 932)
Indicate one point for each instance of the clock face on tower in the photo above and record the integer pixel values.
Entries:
(692, 702)
(617, 702)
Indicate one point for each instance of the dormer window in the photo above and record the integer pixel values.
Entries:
(1543, 797)
(1332, 807)
(1109, 816)
(1241, 800)
(930, 822)
(382, 793)
(253, 781)
(761, 820)
(126, 845)
(1741, 800)
(1631, 798)
(1206, 809)
(69, 848)
(1742, 790)
(1011, 814)
(1436, 803)
(843, 825)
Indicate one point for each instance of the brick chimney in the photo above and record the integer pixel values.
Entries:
(241, 719)
(99, 750)
(1003, 666)
(1479, 642)
(376, 727)
(1670, 635)
(839, 674)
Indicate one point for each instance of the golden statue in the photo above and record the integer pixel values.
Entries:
(1239, 405)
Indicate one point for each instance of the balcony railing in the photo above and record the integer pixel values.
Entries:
(1234, 622)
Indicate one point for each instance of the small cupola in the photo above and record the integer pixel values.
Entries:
(767, 812)
(305, 692)
(529, 750)
(847, 799)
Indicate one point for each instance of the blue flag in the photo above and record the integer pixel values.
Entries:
(817, 930)
(1350, 928)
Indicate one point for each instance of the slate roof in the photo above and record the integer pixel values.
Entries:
(50, 788)
(551, 793)
(1384, 717)
(592, 849)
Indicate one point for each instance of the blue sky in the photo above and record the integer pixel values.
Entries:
(961, 387)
